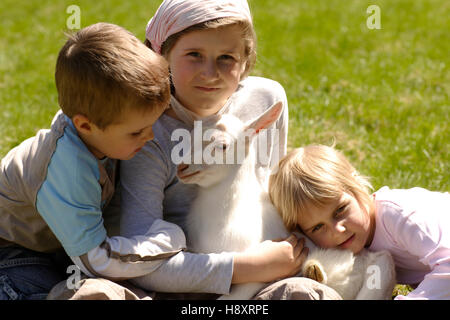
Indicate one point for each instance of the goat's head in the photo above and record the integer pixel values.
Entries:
(225, 144)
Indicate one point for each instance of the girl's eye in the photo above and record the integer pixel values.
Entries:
(317, 228)
(227, 59)
(194, 54)
(341, 210)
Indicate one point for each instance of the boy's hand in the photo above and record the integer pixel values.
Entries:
(270, 260)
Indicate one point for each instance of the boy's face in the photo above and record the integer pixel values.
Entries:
(206, 67)
(341, 224)
(124, 139)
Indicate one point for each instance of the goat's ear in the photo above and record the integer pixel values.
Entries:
(267, 118)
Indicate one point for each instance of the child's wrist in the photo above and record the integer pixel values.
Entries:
(246, 268)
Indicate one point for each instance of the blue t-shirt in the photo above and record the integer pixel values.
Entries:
(70, 198)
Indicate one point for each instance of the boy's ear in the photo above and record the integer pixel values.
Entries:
(82, 124)
(267, 118)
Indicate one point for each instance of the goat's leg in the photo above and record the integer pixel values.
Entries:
(314, 270)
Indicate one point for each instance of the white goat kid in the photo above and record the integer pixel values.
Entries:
(233, 212)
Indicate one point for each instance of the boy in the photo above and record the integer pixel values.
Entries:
(54, 186)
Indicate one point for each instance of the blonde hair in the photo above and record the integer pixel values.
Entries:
(314, 174)
(103, 70)
(248, 36)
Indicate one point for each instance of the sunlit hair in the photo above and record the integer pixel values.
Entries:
(103, 70)
(248, 36)
(315, 175)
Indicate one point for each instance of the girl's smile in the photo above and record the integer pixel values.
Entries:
(347, 243)
(206, 89)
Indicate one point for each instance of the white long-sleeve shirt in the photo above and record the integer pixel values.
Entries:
(414, 226)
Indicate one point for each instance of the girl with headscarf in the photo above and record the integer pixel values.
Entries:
(210, 47)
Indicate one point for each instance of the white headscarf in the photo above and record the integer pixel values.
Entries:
(174, 16)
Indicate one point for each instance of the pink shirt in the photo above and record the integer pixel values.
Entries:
(414, 226)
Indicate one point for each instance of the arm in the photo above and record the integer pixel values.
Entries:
(267, 262)
(270, 260)
(69, 200)
(435, 285)
(119, 258)
(425, 234)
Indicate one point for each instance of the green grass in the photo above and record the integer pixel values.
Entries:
(381, 95)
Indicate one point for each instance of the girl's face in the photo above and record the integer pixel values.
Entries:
(206, 66)
(341, 224)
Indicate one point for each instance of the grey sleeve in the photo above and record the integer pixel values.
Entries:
(189, 272)
(142, 183)
(144, 180)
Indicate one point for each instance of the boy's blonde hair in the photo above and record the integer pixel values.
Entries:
(248, 36)
(314, 174)
(103, 70)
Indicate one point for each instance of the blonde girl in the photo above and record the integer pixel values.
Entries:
(318, 190)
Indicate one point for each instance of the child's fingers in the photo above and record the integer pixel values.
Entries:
(299, 246)
(293, 240)
(302, 258)
(301, 254)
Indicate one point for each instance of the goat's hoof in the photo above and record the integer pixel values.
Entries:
(314, 272)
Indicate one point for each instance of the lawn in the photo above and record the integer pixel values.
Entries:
(381, 95)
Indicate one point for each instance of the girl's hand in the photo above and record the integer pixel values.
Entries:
(270, 260)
